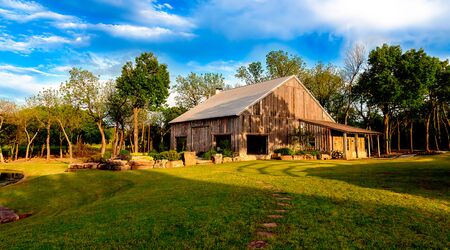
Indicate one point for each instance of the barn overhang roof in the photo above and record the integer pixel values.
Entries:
(340, 127)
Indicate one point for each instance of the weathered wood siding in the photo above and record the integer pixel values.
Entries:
(277, 116)
(200, 134)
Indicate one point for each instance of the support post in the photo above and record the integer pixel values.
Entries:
(356, 145)
(330, 141)
(369, 137)
(378, 143)
(345, 146)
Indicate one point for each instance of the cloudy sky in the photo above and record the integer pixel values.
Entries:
(41, 40)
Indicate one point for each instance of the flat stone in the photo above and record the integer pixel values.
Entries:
(7, 215)
(282, 204)
(276, 195)
(280, 210)
(265, 234)
(268, 187)
(284, 198)
(257, 244)
(275, 216)
(270, 224)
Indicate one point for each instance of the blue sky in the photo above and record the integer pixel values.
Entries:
(41, 40)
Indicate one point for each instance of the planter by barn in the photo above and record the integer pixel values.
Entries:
(257, 119)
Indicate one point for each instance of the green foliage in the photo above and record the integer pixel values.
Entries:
(194, 89)
(284, 151)
(154, 154)
(280, 64)
(171, 155)
(253, 73)
(208, 154)
(144, 82)
(124, 155)
(314, 152)
(301, 152)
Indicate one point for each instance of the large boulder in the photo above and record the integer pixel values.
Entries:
(286, 157)
(7, 215)
(190, 159)
(325, 156)
(115, 165)
(87, 165)
(310, 157)
(135, 165)
(174, 164)
(299, 157)
(160, 164)
(227, 159)
(217, 158)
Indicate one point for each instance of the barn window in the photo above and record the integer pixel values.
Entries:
(181, 143)
(223, 142)
(256, 144)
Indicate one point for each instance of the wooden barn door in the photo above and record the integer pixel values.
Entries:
(201, 141)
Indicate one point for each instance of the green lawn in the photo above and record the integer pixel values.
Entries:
(400, 203)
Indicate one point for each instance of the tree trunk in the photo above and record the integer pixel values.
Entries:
(435, 129)
(48, 141)
(42, 151)
(17, 151)
(143, 136)
(136, 129)
(386, 132)
(411, 143)
(60, 147)
(116, 139)
(69, 143)
(427, 132)
(1, 155)
(132, 144)
(122, 139)
(398, 136)
(102, 133)
(149, 139)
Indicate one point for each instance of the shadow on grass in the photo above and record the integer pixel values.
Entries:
(425, 176)
(163, 209)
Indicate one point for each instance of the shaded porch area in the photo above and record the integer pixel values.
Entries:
(353, 142)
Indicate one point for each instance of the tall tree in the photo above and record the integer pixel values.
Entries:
(84, 90)
(354, 63)
(194, 89)
(6, 109)
(417, 73)
(326, 84)
(382, 85)
(144, 83)
(280, 64)
(251, 74)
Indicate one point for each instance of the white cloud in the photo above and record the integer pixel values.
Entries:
(22, 85)
(139, 32)
(387, 20)
(21, 11)
(39, 42)
(24, 70)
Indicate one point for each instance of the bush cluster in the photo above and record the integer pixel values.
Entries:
(124, 155)
(284, 151)
(171, 155)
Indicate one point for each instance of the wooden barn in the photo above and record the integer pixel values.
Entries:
(257, 119)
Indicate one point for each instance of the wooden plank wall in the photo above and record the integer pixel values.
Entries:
(200, 134)
(277, 116)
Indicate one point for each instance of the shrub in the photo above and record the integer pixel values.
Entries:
(96, 158)
(208, 154)
(301, 152)
(107, 155)
(337, 154)
(124, 155)
(284, 151)
(227, 153)
(154, 154)
(171, 155)
(314, 152)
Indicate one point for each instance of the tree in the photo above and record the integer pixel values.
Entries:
(84, 90)
(417, 72)
(326, 84)
(119, 110)
(144, 83)
(162, 118)
(380, 81)
(27, 120)
(44, 102)
(194, 89)
(6, 109)
(354, 63)
(251, 74)
(280, 64)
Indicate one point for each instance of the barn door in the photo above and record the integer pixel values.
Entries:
(201, 141)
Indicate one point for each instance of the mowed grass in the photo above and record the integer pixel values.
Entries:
(399, 203)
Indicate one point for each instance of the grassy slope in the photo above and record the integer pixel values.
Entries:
(336, 204)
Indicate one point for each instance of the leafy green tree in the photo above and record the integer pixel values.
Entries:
(326, 84)
(162, 118)
(417, 73)
(251, 74)
(146, 82)
(382, 84)
(6, 109)
(194, 89)
(84, 90)
(280, 64)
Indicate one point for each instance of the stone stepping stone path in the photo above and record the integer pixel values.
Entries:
(7, 215)
(282, 199)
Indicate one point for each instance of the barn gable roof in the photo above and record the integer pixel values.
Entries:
(234, 101)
